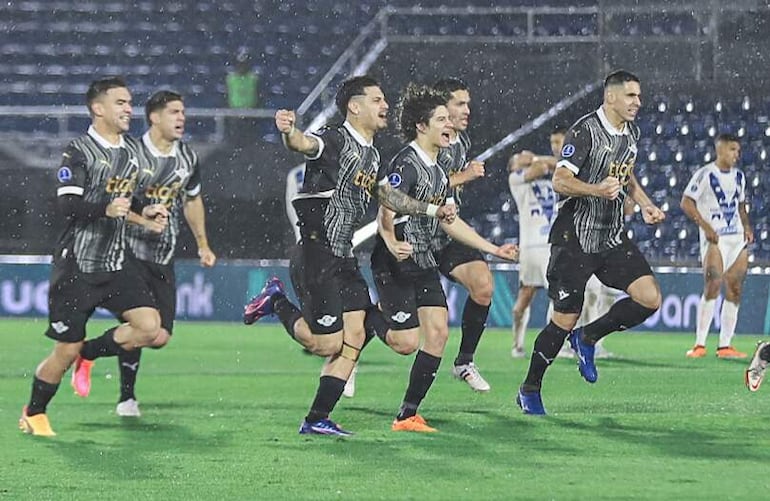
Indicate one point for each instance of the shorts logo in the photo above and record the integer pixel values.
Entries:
(568, 150)
(60, 327)
(326, 320)
(401, 317)
(563, 294)
(64, 174)
(395, 179)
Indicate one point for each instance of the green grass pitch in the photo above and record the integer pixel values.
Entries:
(222, 404)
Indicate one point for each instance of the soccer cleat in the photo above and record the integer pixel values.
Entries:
(415, 423)
(697, 351)
(728, 352)
(350, 385)
(530, 402)
(585, 355)
(756, 371)
(518, 353)
(323, 427)
(128, 408)
(261, 305)
(81, 376)
(470, 374)
(35, 425)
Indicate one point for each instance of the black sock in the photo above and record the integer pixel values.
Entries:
(547, 346)
(421, 378)
(473, 323)
(326, 397)
(128, 363)
(375, 325)
(103, 346)
(623, 315)
(42, 393)
(287, 313)
(764, 353)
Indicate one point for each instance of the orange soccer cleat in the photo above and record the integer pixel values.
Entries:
(697, 351)
(415, 423)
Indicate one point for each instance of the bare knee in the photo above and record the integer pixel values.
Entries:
(404, 342)
(326, 346)
(481, 289)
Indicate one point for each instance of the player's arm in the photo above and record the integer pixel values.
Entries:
(472, 171)
(386, 228)
(541, 166)
(195, 215)
(400, 202)
(689, 205)
(650, 212)
(748, 231)
(69, 192)
(293, 138)
(460, 230)
(574, 154)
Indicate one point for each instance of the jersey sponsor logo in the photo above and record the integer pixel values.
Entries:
(401, 317)
(395, 179)
(60, 327)
(64, 175)
(622, 171)
(568, 150)
(121, 186)
(163, 194)
(181, 172)
(365, 180)
(326, 320)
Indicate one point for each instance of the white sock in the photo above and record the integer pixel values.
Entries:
(728, 319)
(520, 329)
(705, 314)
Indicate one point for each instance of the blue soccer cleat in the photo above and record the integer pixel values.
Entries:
(530, 403)
(323, 427)
(261, 305)
(585, 355)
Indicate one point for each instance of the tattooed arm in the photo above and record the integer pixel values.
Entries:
(402, 203)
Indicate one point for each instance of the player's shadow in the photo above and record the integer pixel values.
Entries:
(631, 362)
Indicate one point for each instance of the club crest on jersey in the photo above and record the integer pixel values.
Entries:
(568, 150)
(394, 179)
(64, 174)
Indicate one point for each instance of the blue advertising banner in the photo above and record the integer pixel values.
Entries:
(219, 294)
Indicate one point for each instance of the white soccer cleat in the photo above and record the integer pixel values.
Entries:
(128, 408)
(756, 371)
(518, 353)
(350, 385)
(470, 374)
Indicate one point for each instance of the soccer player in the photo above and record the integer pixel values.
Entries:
(96, 180)
(755, 374)
(594, 176)
(457, 261)
(715, 198)
(404, 266)
(341, 175)
(170, 178)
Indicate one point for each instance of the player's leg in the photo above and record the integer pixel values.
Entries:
(736, 266)
(521, 312)
(755, 373)
(713, 266)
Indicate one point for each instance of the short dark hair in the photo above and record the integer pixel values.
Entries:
(159, 100)
(449, 85)
(416, 107)
(726, 137)
(350, 88)
(98, 88)
(620, 77)
(559, 129)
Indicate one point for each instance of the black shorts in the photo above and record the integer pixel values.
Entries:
(569, 269)
(402, 294)
(327, 286)
(453, 255)
(161, 280)
(73, 296)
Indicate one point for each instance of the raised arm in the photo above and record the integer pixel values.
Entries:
(293, 138)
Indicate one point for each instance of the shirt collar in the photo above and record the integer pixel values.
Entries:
(102, 141)
(358, 137)
(607, 125)
(155, 151)
(423, 156)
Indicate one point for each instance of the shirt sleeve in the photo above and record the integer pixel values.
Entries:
(193, 187)
(742, 184)
(696, 185)
(72, 174)
(329, 141)
(401, 176)
(577, 146)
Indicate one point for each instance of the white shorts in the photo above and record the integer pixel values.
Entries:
(730, 246)
(533, 266)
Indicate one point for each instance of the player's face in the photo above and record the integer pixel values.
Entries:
(626, 100)
(114, 109)
(460, 109)
(728, 152)
(439, 129)
(170, 120)
(372, 108)
(557, 142)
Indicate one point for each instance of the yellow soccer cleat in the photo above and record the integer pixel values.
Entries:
(35, 425)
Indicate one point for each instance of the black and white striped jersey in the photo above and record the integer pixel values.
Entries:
(453, 159)
(413, 172)
(593, 150)
(99, 172)
(163, 179)
(337, 188)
